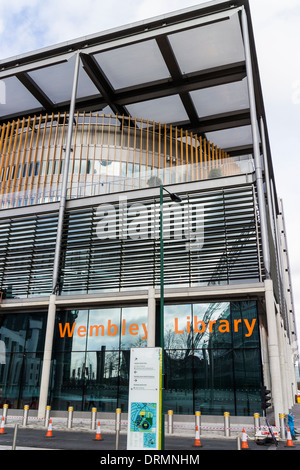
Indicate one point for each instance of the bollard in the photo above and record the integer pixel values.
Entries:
(198, 420)
(256, 422)
(5, 408)
(282, 425)
(25, 415)
(238, 443)
(118, 426)
(93, 418)
(15, 438)
(70, 417)
(47, 418)
(226, 424)
(170, 421)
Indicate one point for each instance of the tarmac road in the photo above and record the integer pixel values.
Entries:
(35, 439)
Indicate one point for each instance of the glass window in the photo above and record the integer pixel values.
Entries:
(104, 329)
(247, 376)
(214, 381)
(212, 325)
(178, 326)
(67, 380)
(102, 375)
(22, 332)
(134, 327)
(179, 373)
(245, 324)
(71, 330)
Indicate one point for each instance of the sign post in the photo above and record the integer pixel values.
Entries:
(144, 406)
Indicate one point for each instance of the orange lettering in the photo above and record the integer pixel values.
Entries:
(210, 323)
(111, 326)
(200, 322)
(224, 328)
(134, 329)
(66, 329)
(81, 331)
(176, 326)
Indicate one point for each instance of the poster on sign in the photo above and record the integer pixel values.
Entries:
(144, 405)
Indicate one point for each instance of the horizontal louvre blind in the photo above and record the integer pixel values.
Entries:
(27, 246)
(210, 238)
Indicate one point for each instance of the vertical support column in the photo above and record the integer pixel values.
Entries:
(47, 357)
(52, 306)
(273, 347)
(64, 188)
(151, 317)
(161, 236)
(256, 147)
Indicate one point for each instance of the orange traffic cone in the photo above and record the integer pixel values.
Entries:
(244, 440)
(289, 442)
(98, 433)
(197, 442)
(49, 432)
(2, 426)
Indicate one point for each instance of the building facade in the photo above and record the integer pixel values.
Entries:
(92, 133)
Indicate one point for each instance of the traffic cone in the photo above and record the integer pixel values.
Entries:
(2, 431)
(49, 432)
(289, 442)
(244, 440)
(98, 433)
(197, 442)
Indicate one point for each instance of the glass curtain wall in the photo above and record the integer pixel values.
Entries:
(212, 357)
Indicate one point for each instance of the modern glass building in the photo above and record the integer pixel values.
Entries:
(91, 132)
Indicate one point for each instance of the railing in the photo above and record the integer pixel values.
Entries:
(109, 154)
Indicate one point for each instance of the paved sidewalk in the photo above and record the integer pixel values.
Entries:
(186, 429)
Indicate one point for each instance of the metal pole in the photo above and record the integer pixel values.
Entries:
(118, 426)
(47, 418)
(161, 237)
(15, 438)
(70, 417)
(64, 187)
(226, 424)
(282, 425)
(151, 318)
(25, 416)
(170, 421)
(93, 418)
(5, 408)
(256, 422)
(256, 147)
(198, 420)
(52, 306)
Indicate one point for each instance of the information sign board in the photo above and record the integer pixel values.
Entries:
(144, 406)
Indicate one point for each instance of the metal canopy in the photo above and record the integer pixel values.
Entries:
(186, 68)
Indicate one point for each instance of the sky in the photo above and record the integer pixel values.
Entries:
(26, 25)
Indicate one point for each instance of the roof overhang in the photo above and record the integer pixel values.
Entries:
(185, 68)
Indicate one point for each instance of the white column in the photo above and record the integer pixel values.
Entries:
(47, 357)
(273, 347)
